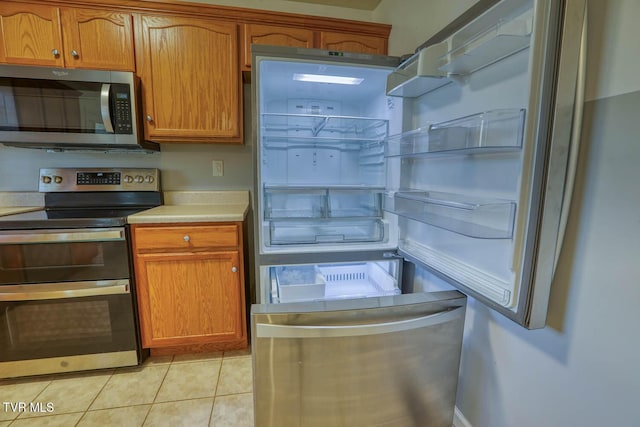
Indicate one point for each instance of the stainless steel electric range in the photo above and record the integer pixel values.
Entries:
(67, 291)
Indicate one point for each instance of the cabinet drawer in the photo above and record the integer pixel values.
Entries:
(186, 238)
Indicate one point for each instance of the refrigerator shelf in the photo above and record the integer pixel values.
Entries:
(322, 230)
(322, 202)
(488, 39)
(466, 215)
(314, 126)
(332, 281)
(486, 132)
(290, 141)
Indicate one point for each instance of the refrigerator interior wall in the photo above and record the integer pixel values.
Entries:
(320, 282)
(321, 156)
(460, 165)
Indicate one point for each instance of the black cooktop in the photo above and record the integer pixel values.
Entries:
(68, 218)
(89, 198)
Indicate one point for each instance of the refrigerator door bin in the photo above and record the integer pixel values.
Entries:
(295, 283)
(466, 215)
(498, 33)
(292, 232)
(419, 74)
(490, 131)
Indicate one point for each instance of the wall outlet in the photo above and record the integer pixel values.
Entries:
(218, 167)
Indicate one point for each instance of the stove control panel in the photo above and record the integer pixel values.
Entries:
(99, 179)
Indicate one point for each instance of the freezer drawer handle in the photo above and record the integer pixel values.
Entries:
(264, 330)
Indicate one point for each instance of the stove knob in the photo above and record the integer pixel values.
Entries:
(128, 178)
(46, 179)
(57, 179)
(139, 179)
(149, 179)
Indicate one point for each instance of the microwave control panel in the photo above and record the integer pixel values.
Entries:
(121, 107)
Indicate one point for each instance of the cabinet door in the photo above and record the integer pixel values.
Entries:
(353, 43)
(275, 36)
(97, 39)
(30, 35)
(190, 77)
(189, 298)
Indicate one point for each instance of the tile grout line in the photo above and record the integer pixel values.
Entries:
(215, 392)
(157, 391)
(113, 371)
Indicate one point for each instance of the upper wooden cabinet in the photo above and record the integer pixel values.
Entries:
(353, 43)
(273, 35)
(67, 37)
(190, 79)
(97, 39)
(30, 35)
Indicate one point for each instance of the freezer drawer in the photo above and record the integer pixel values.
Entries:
(387, 361)
(293, 283)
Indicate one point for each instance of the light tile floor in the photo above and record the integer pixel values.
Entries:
(208, 389)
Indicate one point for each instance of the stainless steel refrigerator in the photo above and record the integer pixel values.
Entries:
(379, 180)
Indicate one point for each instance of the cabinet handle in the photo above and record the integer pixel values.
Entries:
(55, 52)
(149, 118)
(186, 238)
(75, 54)
(234, 269)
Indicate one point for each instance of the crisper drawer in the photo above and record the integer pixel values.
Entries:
(294, 232)
(185, 238)
(293, 283)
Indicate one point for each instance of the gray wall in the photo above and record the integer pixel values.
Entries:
(582, 369)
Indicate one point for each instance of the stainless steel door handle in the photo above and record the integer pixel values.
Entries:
(265, 330)
(63, 236)
(63, 290)
(105, 109)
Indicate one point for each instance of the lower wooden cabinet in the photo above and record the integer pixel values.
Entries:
(190, 286)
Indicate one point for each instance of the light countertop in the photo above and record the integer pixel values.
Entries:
(196, 206)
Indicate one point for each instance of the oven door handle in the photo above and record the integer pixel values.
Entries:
(63, 236)
(45, 291)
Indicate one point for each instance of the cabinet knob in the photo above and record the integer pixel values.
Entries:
(75, 54)
(55, 52)
(149, 118)
(234, 269)
(186, 238)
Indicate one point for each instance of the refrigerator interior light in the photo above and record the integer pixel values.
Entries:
(321, 78)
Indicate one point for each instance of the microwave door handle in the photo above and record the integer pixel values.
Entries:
(105, 109)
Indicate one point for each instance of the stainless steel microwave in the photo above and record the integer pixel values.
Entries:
(69, 109)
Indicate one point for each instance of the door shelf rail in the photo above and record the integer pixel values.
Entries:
(487, 132)
(312, 202)
(467, 215)
(319, 126)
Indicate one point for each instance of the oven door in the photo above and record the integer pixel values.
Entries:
(68, 326)
(65, 301)
(52, 256)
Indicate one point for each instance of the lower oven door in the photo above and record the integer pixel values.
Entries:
(68, 326)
